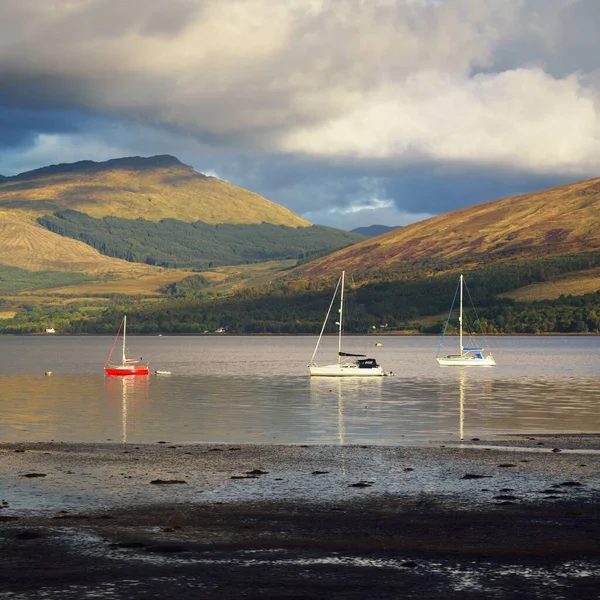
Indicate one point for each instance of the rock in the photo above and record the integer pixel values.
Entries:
(408, 469)
(410, 564)
(507, 465)
(319, 472)
(505, 497)
(132, 545)
(474, 476)
(28, 535)
(568, 484)
(360, 484)
(556, 450)
(167, 481)
(166, 548)
(257, 472)
(31, 475)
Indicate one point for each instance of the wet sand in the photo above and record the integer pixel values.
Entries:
(501, 518)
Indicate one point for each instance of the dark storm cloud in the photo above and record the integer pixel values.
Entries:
(339, 109)
(20, 126)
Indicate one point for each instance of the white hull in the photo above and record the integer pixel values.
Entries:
(345, 370)
(466, 361)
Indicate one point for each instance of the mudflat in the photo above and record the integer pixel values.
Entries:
(503, 518)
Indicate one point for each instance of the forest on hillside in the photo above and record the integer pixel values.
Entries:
(177, 244)
(418, 305)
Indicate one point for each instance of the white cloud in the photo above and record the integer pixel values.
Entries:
(375, 86)
(524, 119)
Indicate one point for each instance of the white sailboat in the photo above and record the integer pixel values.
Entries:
(345, 367)
(469, 356)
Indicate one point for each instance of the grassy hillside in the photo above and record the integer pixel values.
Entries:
(153, 188)
(173, 243)
(24, 243)
(559, 221)
(14, 280)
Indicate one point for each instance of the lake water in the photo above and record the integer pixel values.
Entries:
(229, 389)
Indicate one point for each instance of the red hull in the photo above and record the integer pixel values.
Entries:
(124, 371)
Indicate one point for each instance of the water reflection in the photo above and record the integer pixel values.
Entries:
(355, 396)
(126, 390)
(461, 387)
(268, 397)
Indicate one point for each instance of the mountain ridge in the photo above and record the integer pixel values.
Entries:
(561, 220)
(92, 166)
(153, 188)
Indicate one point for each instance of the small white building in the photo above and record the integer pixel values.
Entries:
(50, 330)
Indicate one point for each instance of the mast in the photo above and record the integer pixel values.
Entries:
(460, 317)
(124, 334)
(340, 321)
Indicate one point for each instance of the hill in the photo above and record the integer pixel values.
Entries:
(152, 188)
(373, 230)
(560, 221)
(100, 217)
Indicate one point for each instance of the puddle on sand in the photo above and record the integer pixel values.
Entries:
(526, 449)
(455, 577)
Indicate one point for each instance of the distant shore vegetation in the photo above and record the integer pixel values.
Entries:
(418, 305)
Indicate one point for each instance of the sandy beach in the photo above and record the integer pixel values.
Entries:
(501, 518)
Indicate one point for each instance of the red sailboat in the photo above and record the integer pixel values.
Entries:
(128, 366)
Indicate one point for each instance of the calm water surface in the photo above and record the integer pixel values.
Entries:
(256, 390)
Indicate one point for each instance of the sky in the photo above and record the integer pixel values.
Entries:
(348, 112)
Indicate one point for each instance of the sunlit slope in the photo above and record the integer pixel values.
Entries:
(574, 284)
(153, 188)
(27, 245)
(562, 220)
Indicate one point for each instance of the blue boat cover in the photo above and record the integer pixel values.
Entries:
(472, 349)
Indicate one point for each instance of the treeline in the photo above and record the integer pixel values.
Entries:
(300, 306)
(568, 314)
(177, 244)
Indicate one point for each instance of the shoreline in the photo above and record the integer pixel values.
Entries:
(302, 521)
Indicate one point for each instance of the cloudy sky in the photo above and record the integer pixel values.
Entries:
(349, 112)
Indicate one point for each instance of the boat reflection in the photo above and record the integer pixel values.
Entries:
(352, 397)
(477, 395)
(127, 391)
(461, 390)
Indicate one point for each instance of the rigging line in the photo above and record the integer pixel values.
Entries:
(448, 318)
(114, 343)
(352, 310)
(476, 316)
(326, 319)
